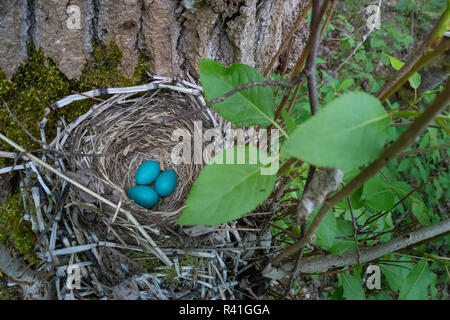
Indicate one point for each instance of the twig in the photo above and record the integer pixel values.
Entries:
(328, 17)
(372, 27)
(10, 155)
(286, 40)
(415, 62)
(317, 7)
(324, 263)
(404, 141)
(439, 147)
(355, 230)
(285, 66)
(88, 97)
(299, 65)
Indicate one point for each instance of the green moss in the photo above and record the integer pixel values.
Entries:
(14, 231)
(38, 83)
(8, 293)
(35, 86)
(102, 71)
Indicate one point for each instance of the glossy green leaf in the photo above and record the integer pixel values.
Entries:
(246, 107)
(225, 192)
(349, 132)
(415, 285)
(377, 195)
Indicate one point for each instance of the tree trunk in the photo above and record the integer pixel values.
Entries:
(175, 34)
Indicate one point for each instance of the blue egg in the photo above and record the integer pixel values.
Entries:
(166, 182)
(144, 196)
(147, 172)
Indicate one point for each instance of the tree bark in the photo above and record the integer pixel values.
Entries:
(176, 34)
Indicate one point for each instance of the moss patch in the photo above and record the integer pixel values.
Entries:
(14, 231)
(37, 84)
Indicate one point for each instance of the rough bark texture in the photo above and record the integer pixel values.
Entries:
(176, 34)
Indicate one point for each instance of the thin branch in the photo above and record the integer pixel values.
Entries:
(404, 141)
(324, 263)
(415, 62)
(299, 65)
(311, 60)
(355, 230)
(412, 152)
(317, 7)
(328, 17)
(285, 65)
(371, 29)
(286, 40)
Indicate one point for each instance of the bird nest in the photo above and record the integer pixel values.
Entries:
(126, 135)
(85, 221)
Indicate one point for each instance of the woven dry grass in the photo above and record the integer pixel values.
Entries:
(85, 220)
(126, 136)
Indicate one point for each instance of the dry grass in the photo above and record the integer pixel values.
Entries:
(113, 134)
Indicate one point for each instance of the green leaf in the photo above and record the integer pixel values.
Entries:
(349, 132)
(393, 276)
(352, 286)
(420, 211)
(378, 195)
(327, 230)
(414, 202)
(395, 63)
(290, 122)
(342, 245)
(415, 80)
(224, 192)
(246, 107)
(347, 83)
(415, 285)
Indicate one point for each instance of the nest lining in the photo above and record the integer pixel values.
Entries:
(121, 135)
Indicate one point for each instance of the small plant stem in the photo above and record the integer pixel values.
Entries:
(415, 114)
(404, 141)
(355, 230)
(413, 152)
(317, 8)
